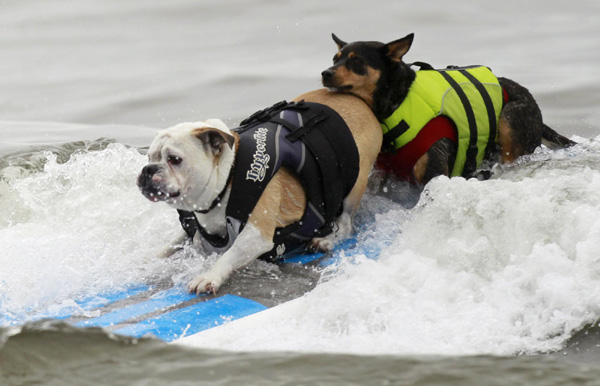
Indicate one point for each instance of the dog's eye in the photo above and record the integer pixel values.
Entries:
(357, 65)
(174, 160)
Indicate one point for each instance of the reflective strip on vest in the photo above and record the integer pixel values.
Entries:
(470, 96)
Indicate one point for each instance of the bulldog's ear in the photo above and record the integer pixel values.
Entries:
(214, 138)
(340, 43)
(219, 124)
(398, 48)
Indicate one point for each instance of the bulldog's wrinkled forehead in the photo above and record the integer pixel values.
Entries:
(188, 127)
(179, 134)
(155, 150)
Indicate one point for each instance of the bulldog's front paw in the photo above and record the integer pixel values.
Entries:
(208, 282)
(323, 244)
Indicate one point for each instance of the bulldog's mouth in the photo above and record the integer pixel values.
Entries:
(157, 195)
(150, 189)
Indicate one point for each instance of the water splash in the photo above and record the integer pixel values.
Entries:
(504, 266)
(79, 227)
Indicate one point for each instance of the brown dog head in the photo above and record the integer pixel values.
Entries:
(358, 66)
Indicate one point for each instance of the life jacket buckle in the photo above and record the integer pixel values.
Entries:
(265, 114)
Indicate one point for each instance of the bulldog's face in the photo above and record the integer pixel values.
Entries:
(187, 163)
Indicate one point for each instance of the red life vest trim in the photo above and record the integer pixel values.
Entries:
(402, 161)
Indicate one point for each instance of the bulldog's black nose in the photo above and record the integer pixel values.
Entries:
(145, 178)
(150, 169)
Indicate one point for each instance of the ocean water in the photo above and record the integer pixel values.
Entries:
(480, 282)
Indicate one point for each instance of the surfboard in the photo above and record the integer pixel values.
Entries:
(170, 312)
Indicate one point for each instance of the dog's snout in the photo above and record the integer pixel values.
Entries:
(327, 75)
(145, 177)
(150, 170)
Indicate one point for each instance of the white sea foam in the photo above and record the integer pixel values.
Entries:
(505, 266)
(78, 228)
(502, 266)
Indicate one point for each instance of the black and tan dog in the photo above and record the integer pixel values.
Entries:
(438, 122)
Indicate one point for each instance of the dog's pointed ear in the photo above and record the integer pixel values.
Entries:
(214, 138)
(340, 43)
(398, 48)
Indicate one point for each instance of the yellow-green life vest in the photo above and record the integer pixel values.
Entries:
(470, 96)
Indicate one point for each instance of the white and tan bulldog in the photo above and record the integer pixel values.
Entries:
(189, 169)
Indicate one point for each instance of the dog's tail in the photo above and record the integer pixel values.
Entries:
(553, 140)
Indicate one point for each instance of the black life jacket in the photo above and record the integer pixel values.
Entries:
(309, 139)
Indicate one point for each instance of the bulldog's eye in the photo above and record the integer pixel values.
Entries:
(173, 160)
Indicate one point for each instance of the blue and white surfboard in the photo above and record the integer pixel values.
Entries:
(169, 313)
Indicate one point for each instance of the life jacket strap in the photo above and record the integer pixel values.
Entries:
(422, 65)
(389, 137)
(217, 200)
(190, 225)
(489, 106)
(268, 114)
(471, 161)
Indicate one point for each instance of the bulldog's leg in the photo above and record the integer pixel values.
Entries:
(343, 229)
(351, 203)
(282, 203)
(174, 246)
(247, 247)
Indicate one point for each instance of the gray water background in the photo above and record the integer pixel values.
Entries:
(157, 63)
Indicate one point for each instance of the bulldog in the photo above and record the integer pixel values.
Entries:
(291, 176)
